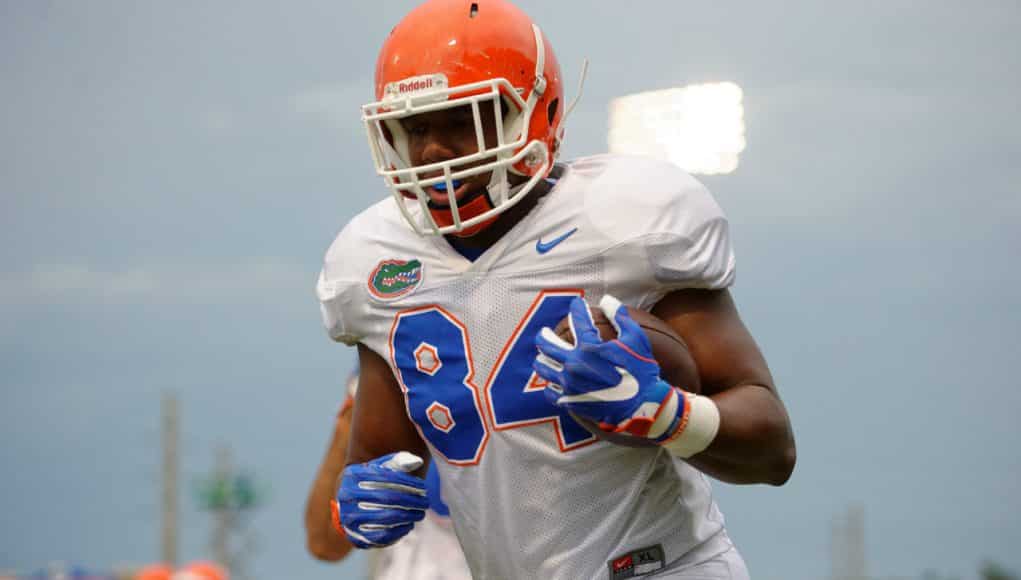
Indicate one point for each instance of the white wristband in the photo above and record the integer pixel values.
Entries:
(667, 414)
(699, 430)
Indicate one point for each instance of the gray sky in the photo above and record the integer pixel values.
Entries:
(171, 174)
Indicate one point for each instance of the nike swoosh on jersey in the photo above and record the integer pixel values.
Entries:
(543, 247)
(625, 390)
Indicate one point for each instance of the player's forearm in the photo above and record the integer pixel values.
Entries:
(754, 443)
(380, 423)
(322, 540)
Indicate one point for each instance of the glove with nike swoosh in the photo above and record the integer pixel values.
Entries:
(615, 383)
(379, 501)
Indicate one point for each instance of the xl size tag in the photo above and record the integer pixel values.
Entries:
(637, 562)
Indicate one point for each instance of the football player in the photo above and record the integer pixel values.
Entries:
(200, 570)
(449, 287)
(429, 552)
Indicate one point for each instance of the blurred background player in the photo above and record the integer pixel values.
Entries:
(200, 570)
(446, 290)
(429, 552)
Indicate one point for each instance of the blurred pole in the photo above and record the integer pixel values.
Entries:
(836, 549)
(228, 496)
(222, 517)
(847, 545)
(168, 540)
(857, 567)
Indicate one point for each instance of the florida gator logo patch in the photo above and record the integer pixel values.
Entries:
(395, 278)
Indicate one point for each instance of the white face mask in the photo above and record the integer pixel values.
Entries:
(430, 93)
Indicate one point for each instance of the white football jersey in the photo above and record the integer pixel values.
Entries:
(533, 494)
(430, 551)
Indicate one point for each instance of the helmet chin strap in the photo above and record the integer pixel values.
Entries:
(475, 205)
(499, 185)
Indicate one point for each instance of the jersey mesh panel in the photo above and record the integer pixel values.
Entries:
(484, 309)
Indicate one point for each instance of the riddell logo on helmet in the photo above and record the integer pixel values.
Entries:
(415, 85)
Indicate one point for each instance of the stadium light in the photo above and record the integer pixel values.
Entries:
(698, 127)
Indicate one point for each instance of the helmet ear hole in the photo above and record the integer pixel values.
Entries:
(551, 110)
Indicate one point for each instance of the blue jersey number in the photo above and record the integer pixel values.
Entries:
(433, 358)
(431, 351)
(515, 392)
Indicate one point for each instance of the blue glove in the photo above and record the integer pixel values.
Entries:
(615, 383)
(379, 501)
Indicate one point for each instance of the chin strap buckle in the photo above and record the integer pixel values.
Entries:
(539, 88)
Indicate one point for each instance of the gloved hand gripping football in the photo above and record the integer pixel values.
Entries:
(379, 501)
(615, 382)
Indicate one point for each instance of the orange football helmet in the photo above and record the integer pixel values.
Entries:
(202, 571)
(456, 53)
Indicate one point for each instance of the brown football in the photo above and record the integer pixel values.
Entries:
(677, 367)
